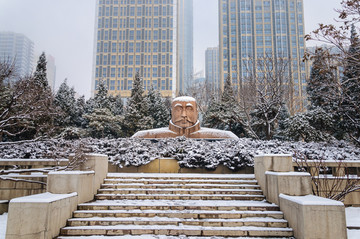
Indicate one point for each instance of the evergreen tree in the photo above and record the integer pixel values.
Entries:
(116, 105)
(313, 125)
(136, 116)
(157, 109)
(40, 75)
(322, 87)
(101, 99)
(225, 114)
(65, 100)
(350, 107)
(102, 123)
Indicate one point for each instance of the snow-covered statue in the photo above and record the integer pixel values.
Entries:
(184, 122)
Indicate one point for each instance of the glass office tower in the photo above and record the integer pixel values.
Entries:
(251, 30)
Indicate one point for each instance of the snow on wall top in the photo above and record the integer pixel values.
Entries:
(311, 200)
(43, 198)
(185, 99)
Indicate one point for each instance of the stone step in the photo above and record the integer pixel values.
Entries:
(178, 181)
(189, 214)
(148, 236)
(111, 221)
(178, 197)
(179, 205)
(184, 186)
(175, 230)
(185, 176)
(181, 191)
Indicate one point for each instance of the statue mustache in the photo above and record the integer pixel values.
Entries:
(184, 119)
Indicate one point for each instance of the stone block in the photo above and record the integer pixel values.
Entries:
(100, 165)
(39, 216)
(271, 162)
(63, 182)
(152, 167)
(169, 165)
(314, 217)
(291, 183)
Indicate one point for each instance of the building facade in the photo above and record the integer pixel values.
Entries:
(138, 36)
(17, 47)
(251, 31)
(212, 62)
(184, 49)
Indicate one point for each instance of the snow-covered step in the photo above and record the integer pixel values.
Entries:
(195, 214)
(184, 176)
(184, 186)
(178, 205)
(148, 236)
(111, 221)
(176, 230)
(180, 191)
(180, 181)
(178, 197)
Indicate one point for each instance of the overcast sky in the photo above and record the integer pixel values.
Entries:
(65, 30)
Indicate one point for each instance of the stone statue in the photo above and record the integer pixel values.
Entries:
(184, 122)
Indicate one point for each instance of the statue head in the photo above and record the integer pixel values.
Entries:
(184, 111)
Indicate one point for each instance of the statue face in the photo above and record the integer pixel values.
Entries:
(184, 113)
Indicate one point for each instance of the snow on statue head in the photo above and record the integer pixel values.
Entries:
(184, 122)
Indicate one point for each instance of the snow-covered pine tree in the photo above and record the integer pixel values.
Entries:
(157, 108)
(322, 87)
(65, 99)
(102, 123)
(226, 113)
(350, 107)
(137, 117)
(40, 75)
(116, 105)
(101, 99)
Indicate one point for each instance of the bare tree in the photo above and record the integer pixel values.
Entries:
(330, 182)
(263, 90)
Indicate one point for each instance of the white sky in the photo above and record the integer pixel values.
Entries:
(65, 30)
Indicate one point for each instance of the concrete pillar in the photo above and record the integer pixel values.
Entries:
(39, 216)
(63, 182)
(313, 217)
(288, 183)
(99, 164)
(271, 162)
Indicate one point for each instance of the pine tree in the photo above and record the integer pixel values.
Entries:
(136, 116)
(322, 87)
(157, 109)
(225, 114)
(65, 99)
(116, 105)
(101, 99)
(40, 75)
(102, 123)
(350, 107)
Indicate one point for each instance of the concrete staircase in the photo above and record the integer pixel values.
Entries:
(178, 206)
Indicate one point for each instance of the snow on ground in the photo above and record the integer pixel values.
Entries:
(3, 220)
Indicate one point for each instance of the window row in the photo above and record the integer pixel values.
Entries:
(138, 47)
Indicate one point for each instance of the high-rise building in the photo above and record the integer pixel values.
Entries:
(212, 73)
(51, 71)
(184, 50)
(136, 36)
(252, 30)
(15, 46)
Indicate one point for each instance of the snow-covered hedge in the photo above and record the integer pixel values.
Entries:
(190, 153)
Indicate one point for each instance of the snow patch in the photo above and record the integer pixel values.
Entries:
(184, 99)
(42, 198)
(311, 200)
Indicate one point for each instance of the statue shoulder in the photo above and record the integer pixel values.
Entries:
(208, 133)
(154, 133)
